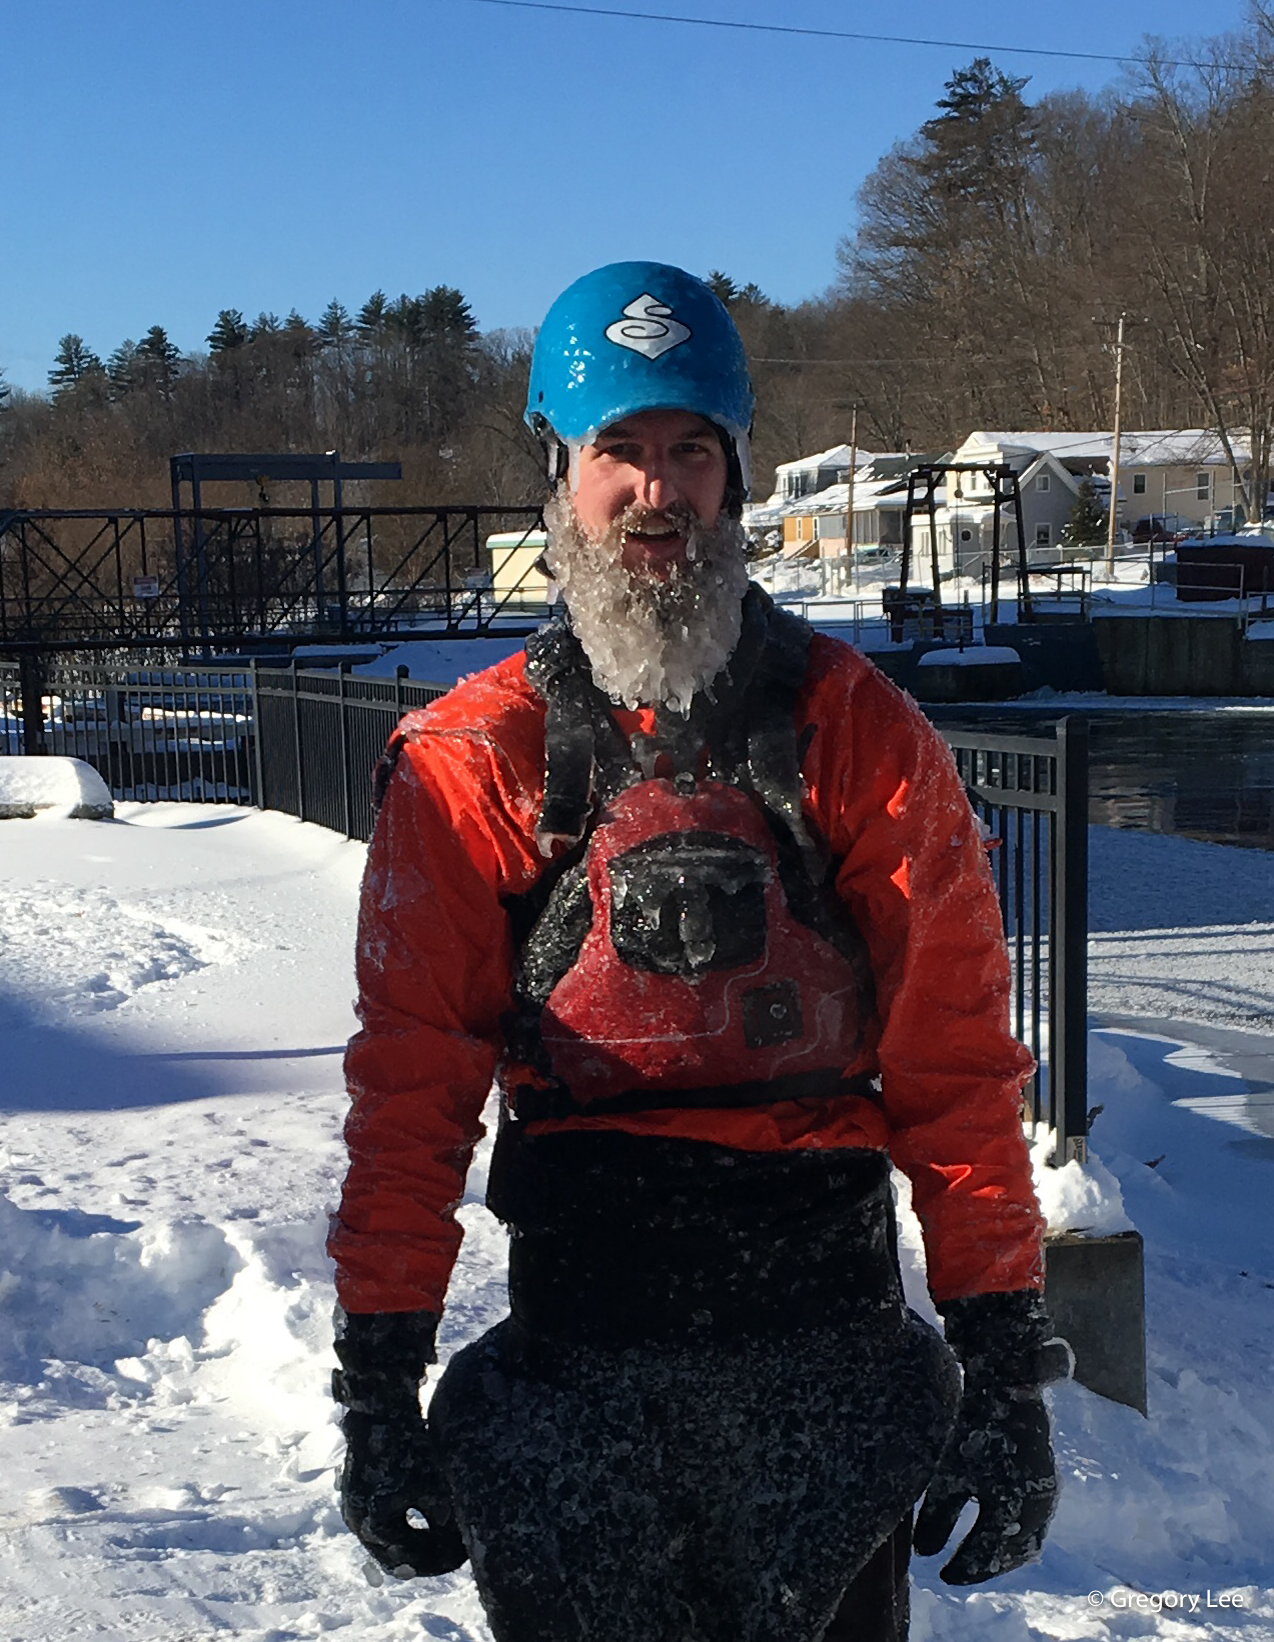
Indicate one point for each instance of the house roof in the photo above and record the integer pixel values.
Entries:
(1162, 447)
(835, 457)
(869, 492)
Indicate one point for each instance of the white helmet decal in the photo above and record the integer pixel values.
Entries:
(647, 327)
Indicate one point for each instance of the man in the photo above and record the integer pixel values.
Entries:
(703, 891)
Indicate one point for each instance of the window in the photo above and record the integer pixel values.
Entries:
(1139, 484)
(1043, 535)
(1041, 481)
(1203, 486)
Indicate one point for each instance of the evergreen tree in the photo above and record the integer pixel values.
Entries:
(299, 335)
(230, 331)
(1086, 524)
(979, 144)
(264, 325)
(403, 317)
(335, 325)
(722, 287)
(4, 390)
(373, 315)
(122, 369)
(158, 360)
(75, 362)
(442, 314)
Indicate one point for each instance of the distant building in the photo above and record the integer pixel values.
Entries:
(1183, 476)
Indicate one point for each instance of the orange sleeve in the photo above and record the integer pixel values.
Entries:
(433, 965)
(914, 872)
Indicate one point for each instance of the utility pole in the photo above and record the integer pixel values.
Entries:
(1114, 460)
(849, 483)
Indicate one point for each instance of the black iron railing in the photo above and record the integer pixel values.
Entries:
(305, 743)
(1032, 795)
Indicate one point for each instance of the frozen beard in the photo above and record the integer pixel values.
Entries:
(649, 641)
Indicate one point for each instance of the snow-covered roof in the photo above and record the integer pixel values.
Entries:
(1162, 447)
(836, 457)
(868, 493)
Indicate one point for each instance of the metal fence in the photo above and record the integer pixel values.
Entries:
(279, 738)
(305, 743)
(1032, 795)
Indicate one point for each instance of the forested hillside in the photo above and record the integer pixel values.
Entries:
(980, 287)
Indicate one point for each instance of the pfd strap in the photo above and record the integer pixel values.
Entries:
(535, 1105)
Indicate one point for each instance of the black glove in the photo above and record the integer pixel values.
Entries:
(390, 1466)
(999, 1453)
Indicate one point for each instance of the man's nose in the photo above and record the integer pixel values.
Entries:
(656, 487)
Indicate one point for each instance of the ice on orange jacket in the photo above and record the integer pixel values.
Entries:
(435, 967)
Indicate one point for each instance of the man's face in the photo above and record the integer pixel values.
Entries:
(651, 474)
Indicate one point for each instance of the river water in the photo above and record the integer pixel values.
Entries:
(1196, 773)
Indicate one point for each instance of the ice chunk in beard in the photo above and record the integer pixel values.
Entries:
(650, 640)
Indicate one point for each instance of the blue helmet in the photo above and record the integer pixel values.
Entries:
(638, 336)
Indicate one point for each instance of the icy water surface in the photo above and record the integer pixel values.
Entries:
(1196, 773)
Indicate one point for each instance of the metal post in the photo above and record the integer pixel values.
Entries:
(849, 482)
(257, 755)
(993, 475)
(31, 683)
(179, 563)
(316, 532)
(341, 673)
(1023, 580)
(296, 743)
(1068, 939)
(1114, 459)
(904, 569)
(201, 560)
(338, 513)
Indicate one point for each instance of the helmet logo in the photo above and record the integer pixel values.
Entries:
(647, 327)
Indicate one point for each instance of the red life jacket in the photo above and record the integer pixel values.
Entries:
(689, 949)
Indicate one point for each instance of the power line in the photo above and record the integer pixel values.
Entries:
(1000, 357)
(839, 34)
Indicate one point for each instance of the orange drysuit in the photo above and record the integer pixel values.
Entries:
(435, 962)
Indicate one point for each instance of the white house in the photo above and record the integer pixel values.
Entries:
(1183, 474)
(806, 512)
(808, 475)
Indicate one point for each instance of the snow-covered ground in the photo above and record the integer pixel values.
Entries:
(174, 994)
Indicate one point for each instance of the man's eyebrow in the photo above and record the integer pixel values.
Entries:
(697, 425)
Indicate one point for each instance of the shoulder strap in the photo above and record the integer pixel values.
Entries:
(577, 726)
(773, 745)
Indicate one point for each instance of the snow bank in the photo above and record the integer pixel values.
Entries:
(61, 786)
(1076, 1197)
(973, 655)
(440, 661)
(87, 1288)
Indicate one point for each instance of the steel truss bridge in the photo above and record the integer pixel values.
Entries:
(202, 581)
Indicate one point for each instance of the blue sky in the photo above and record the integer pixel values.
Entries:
(165, 160)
